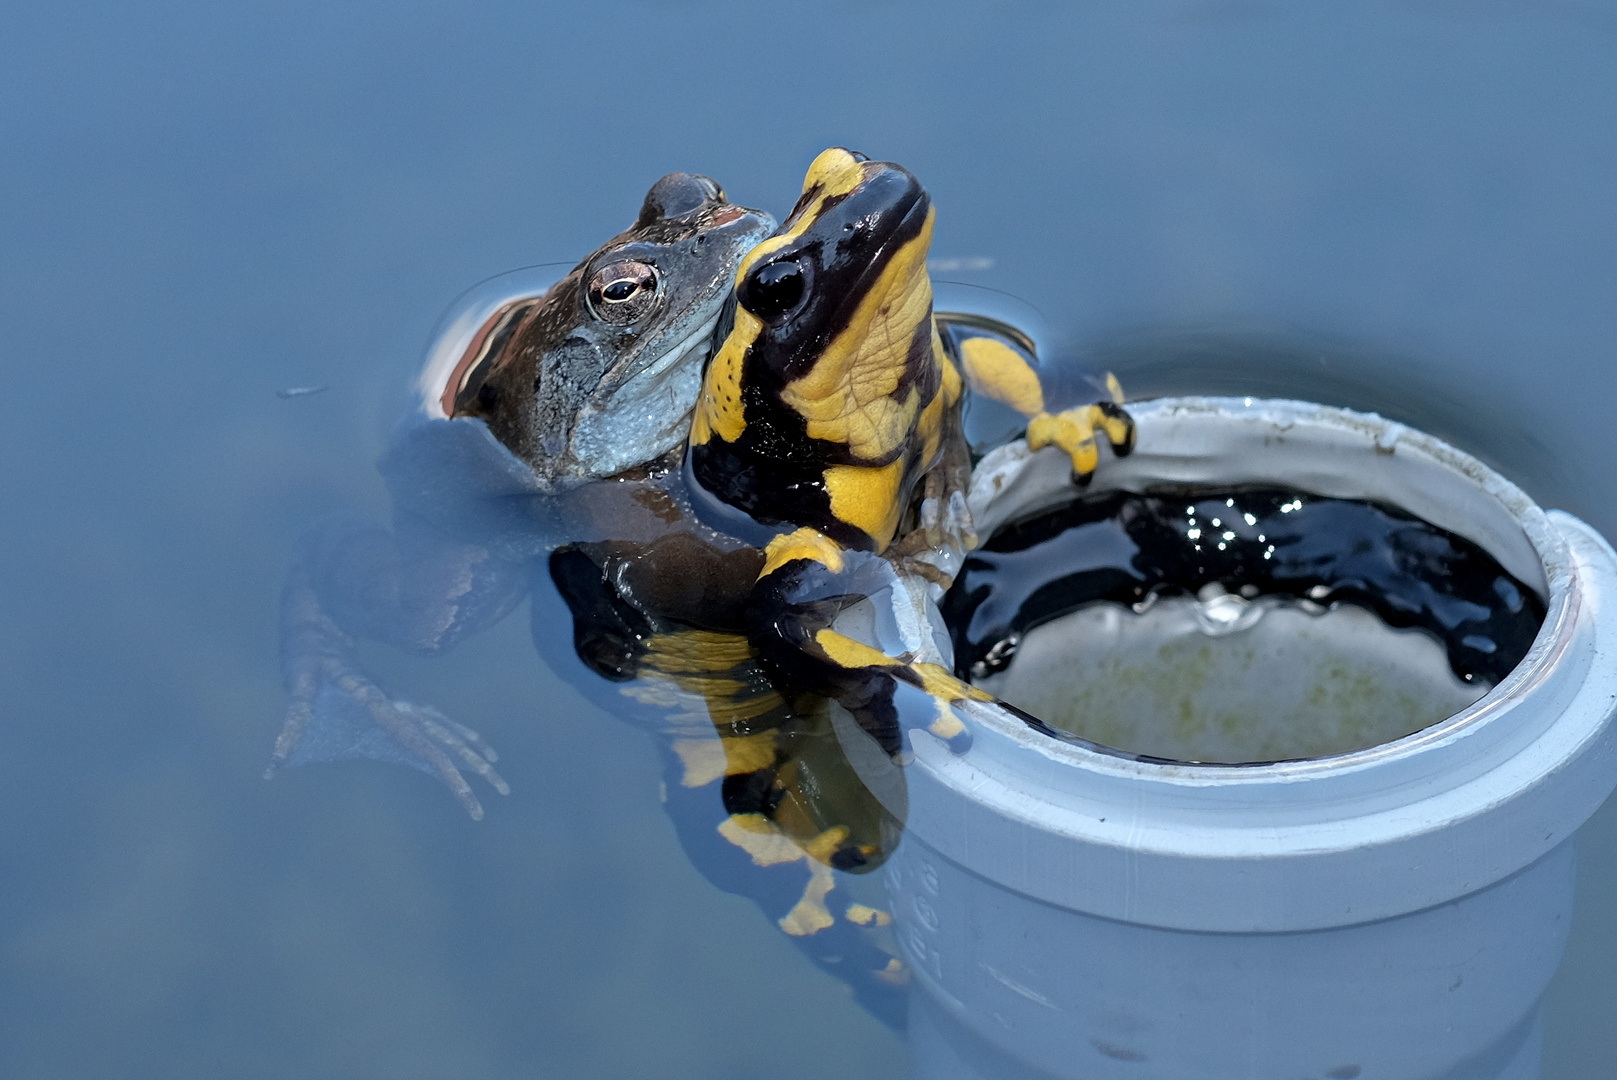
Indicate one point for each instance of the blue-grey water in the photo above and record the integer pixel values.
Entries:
(1399, 206)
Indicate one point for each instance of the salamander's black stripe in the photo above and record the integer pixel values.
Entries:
(752, 793)
(920, 366)
(803, 200)
(787, 490)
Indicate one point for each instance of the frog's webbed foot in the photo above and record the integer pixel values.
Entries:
(945, 517)
(337, 712)
(944, 522)
(426, 736)
(1075, 430)
(945, 528)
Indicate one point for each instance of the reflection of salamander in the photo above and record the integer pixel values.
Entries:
(763, 798)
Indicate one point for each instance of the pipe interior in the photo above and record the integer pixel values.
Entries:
(1214, 676)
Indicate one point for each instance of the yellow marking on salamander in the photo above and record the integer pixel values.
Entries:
(761, 839)
(805, 543)
(867, 497)
(848, 396)
(938, 681)
(1073, 431)
(825, 845)
(835, 172)
(930, 431)
(708, 759)
(951, 388)
(946, 725)
(896, 973)
(1114, 388)
(810, 915)
(748, 753)
(730, 702)
(862, 915)
(715, 666)
(719, 410)
(849, 653)
(703, 760)
(998, 371)
(697, 651)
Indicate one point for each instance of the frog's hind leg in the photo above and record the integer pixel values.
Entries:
(944, 520)
(338, 712)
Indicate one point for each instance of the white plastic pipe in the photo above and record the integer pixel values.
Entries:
(1392, 913)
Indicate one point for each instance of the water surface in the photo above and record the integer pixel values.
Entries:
(1402, 207)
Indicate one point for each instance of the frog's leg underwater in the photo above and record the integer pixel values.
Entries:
(354, 580)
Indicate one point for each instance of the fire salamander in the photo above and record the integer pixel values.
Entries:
(831, 397)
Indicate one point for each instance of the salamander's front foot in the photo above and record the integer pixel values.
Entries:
(1075, 431)
(337, 712)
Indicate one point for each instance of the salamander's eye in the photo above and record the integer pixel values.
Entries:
(774, 289)
(622, 292)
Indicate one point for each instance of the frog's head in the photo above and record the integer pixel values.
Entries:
(601, 373)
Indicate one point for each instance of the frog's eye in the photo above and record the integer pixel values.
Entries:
(622, 292)
(774, 289)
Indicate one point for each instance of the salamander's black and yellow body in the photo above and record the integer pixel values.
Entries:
(757, 784)
(833, 393)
